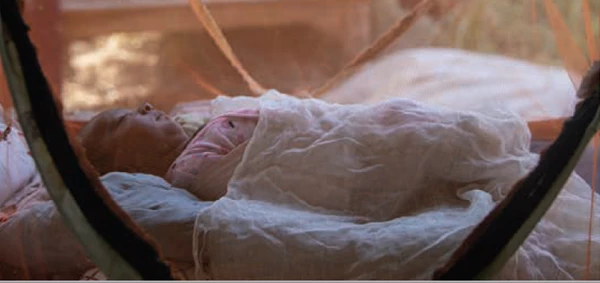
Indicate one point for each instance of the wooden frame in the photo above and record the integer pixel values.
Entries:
(96, 17)
(55, 23)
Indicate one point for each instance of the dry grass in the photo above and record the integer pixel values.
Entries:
(514, 28)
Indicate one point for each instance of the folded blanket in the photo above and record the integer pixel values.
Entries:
(207, 162)
(36, 244)
(17, 167)
(385, 191)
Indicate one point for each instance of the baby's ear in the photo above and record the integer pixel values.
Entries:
(590, 82)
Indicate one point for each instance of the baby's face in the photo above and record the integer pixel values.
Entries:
(144, 141)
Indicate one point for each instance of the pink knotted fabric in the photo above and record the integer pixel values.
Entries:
(208, 161)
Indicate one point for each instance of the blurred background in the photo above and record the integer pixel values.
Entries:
(102, 54)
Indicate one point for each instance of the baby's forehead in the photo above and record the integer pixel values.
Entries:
(105, 120)
(109, 117)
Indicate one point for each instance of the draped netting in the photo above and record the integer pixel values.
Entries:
(530, 63)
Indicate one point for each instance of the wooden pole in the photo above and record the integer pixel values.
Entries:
(43, 17)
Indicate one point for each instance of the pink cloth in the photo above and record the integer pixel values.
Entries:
(207, 163)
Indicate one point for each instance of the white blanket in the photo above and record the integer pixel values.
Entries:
(385, 191)
(17, 167)
(462, 80)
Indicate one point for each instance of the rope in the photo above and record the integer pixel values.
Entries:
(209, 23)
(371, 52)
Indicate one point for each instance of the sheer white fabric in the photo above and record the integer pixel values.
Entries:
(385, 191)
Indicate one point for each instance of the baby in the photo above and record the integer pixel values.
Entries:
(149, 141)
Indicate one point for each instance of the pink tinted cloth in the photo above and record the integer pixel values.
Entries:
(207, 163)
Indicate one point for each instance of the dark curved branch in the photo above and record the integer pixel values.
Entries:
(100, 211)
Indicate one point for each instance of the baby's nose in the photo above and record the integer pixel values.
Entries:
(145, 108)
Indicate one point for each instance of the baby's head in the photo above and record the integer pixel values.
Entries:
(142, 141)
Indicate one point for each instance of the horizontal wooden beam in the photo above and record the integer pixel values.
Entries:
(546, 129)
(86, 5)
(86, 18)
(543, 130)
